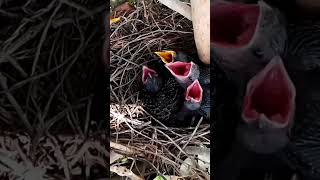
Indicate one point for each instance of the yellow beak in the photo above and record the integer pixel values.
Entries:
(166, 56)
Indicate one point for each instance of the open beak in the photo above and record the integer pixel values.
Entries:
(270, 96)
(147, 72)
(193, 97)
(166, 56)
(194, 92)
(233, 24)
(184, 72)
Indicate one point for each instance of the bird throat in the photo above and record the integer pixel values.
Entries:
(194, 92)
(271, 93)
(233, 24)
(148, 73)
(180, 69)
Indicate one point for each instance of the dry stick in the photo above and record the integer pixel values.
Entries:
(71, 122)
(36, 105)
(14, 35)
(21, 83)
(57, 117)
(125, 149)
(77, 6)
(64, 21)
(75, 117)
(152, 35)
(11, 47)
(192, 135)
(43, 10)
(8, 14)
(53, 48)
(16, 65)
(42, 39)
(21, 114)
(77, 54)
(179, 7)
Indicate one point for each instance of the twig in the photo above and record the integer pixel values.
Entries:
(15, 104)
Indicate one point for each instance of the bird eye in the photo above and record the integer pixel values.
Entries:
(258, 52)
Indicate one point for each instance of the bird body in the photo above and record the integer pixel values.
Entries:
(303, 47)
(164, 104)
(303, 151)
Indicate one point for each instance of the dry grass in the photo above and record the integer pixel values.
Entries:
(49, 51)
(151, 27)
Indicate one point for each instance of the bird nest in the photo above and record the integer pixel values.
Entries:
(147, 149)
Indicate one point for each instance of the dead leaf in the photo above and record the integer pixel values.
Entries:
(115, 156)
(186, 167)
(122, 10)
(114, 20)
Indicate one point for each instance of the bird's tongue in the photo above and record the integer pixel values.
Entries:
(233, 24)
(147, 72)
(179, 69)
(271, 93)
(194, 92)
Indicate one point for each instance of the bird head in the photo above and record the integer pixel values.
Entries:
(151, 79)
(268, 108)
(184, 72)
(193, 96)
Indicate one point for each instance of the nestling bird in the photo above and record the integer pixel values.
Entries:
(151, 80)
(196, 102)
(194, 95)
(245, 37)
(268, 109)
(267, 117)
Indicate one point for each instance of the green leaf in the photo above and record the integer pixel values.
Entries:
(160, 178)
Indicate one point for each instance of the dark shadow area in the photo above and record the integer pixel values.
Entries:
(53, 89)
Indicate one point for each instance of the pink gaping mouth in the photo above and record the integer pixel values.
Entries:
(194, 92)
(272, 93)
(233, 24)
(179, 69)
(147, 72)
